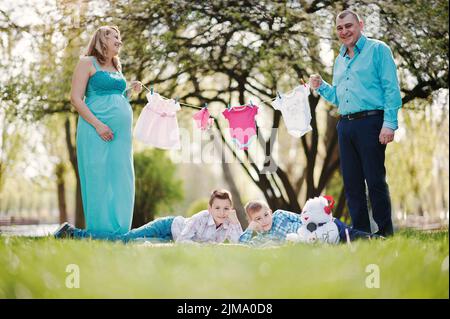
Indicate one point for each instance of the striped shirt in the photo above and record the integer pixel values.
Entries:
(202, 229)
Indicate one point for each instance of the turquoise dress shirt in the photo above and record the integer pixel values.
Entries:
(368, 81)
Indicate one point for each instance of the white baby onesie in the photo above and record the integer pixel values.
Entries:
(295, 110)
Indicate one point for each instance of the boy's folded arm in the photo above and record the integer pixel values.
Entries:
(297, 218)
(289, 215)
(235, 233)
(246, 236)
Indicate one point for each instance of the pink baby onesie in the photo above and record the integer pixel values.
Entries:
(242, 124)
(157, 124)
(203, 120)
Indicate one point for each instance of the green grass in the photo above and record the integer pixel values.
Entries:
(411, 266)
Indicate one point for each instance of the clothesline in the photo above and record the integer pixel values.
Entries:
(267, 102)
(157, 124)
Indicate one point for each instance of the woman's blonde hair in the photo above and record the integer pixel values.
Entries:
(97, 45)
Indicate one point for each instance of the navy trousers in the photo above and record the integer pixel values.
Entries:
(353, 233)
(362, 161)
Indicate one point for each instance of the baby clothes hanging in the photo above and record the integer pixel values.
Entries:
(295, 110)
(202, 119)
(157, 124)
(242, 124)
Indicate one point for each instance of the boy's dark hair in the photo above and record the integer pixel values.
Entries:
(220, 194)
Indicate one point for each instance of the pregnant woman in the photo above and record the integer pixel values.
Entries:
(104, 135)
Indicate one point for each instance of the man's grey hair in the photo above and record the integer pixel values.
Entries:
(346, 12)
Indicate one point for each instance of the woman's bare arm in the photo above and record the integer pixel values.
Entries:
(79, 83)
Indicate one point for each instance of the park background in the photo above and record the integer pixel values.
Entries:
(218, 52)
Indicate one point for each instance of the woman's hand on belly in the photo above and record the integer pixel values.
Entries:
(104, 132)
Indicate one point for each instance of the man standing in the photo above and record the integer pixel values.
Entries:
(366, 91)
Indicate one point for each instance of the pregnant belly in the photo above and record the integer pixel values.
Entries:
(113, 110)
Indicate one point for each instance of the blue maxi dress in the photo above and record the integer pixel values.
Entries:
(106, 168)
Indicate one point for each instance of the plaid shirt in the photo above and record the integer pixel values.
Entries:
(283, 223)
(202, 229)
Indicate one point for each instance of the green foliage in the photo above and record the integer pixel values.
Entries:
(334, 186)
(156, 186)
(197, 206)
(254, 48)
(417, 164)
(418, 31)
(412, 265)
(12, 135)
(220, 53)
(10, 147)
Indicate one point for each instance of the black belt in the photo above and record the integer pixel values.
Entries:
(359, 115)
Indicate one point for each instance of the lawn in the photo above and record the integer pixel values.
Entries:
(413, 264)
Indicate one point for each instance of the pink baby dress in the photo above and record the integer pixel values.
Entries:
(157, 124)
(242, 124)
(203, 119)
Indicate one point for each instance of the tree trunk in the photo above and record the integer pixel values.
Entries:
(60, 186)
(339, 211)
(79, 214)
(138, 220)
(237, 201)
(228, 176)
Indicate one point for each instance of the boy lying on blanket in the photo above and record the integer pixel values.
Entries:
(215, 225)
(267, 228)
